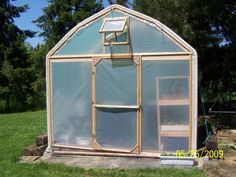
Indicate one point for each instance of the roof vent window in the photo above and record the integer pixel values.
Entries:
(115, 31)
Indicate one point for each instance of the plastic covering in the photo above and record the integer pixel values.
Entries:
(174, 143)
(71, 103)
(116, 128)
(116, 82)
(173, 88)
(116, 37)
(144, 38)
(170, 114)
(117, 49)
(174, 115)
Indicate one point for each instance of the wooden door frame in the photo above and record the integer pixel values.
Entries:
(96, 145)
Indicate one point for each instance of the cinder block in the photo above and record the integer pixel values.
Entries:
(39, 150)
(41, 140)
(28, 151)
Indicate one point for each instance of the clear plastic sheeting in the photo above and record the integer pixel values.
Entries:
(144, 38)
(87, 40)
(151, 71)
(71, 103)
(116, 82)
(114, 49)
(174, 115)
(116, 38)
(171, 88)
(175, 143)
(116, 128)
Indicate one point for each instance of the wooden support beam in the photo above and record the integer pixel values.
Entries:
(68, 146)
(96, 60)
(117, 106)
(140, 103)
(93, 103)
(97, 146)
(142, 155)
(191, 102)
(137, 60)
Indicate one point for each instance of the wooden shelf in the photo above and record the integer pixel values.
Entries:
(117, 106)
(174, 133)
(179, 99)
(174, 128)
(170, 102)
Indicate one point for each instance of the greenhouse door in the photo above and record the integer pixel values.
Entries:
(116, 105)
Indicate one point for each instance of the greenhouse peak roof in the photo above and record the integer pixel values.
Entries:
(145, 35)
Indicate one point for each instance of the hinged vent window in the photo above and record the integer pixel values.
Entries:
(115, 31)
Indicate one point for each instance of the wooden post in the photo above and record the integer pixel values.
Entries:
(191, 102)
(139, 122)
(94, 62)
(140, 100)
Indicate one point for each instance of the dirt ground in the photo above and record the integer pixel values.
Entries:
(224, 167)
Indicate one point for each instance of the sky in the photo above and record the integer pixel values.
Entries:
(25, 21)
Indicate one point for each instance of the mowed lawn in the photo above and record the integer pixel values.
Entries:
(19, 130)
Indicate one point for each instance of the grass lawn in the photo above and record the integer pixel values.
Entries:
(19, 130)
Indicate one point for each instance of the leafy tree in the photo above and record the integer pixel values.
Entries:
(209, 26)
(121, 2)
(62, 15)
(14, 73)
(37, 59)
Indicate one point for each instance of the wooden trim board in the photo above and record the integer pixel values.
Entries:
(141, 155)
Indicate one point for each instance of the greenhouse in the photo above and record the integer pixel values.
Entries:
(121, 83)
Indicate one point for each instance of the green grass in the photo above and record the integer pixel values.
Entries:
(19, 130)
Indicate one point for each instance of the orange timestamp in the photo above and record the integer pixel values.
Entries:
(218, 154)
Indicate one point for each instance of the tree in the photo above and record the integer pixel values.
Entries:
(209, 26)
(37, 58)
(121, 2)
(14, 73)
(62, 15)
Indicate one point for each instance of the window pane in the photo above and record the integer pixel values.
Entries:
(174, 143)
(174, 115)
(116, 128)
(113, 25)
(116, 82)
(173, 88)
(116, 37)
(71, 103)
(151, 70)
